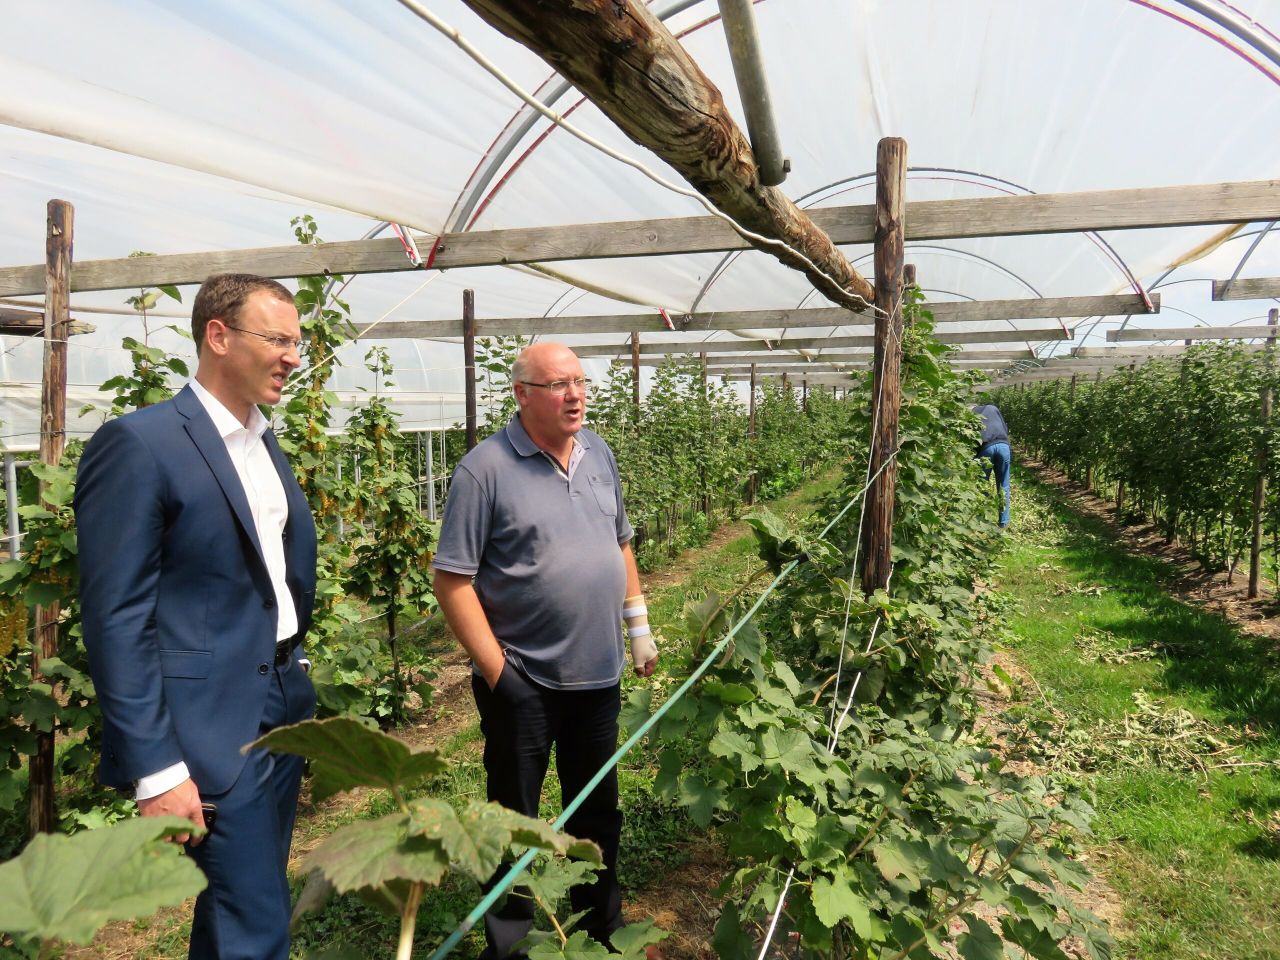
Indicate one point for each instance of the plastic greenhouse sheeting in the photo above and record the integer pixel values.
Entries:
(179, 127)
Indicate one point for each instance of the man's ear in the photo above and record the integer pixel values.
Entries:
(216, 337)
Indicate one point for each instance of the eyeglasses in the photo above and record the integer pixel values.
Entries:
(277, 341)
(560, 387)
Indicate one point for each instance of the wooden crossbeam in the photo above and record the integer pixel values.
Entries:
(840, 356)
(1193, 205)
(1256, 288)
(1191, 333)
(1035, 335)
(1148, 351)
(30, 323)
(944, 312)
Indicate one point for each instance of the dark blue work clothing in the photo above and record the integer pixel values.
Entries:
(999, 457)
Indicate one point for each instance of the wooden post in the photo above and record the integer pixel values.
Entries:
(59, 233)
(751, 435)
(702, 358)
(1260, 484)
(804, 395)
(886, 389)
(786, 382)
(469, 360)
(1072, 397)
(635, 373)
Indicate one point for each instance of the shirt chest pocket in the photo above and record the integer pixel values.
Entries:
(606, 495)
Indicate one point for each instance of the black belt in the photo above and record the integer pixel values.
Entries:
(283, 649)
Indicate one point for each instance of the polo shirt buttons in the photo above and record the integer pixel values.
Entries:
(264, 669)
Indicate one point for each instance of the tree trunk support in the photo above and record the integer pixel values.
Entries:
(59, 233)
(886, 389)
(751, 434)
(625, 60)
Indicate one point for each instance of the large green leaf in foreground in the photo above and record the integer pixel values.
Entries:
(345, 754)
(66, 888)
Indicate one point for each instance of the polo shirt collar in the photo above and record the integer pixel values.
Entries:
(224, 421)
(523, 444)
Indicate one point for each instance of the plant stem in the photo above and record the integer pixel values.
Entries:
(408, 920)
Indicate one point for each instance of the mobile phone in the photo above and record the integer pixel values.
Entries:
(210, 811)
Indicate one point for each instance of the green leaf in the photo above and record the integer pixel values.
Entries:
(171, 291)
(631, 940)
(834, 900)
(730, 939)
(734, 746)
(474, 840)
(373, 853)
(896, 859)
(66, 888)
(636, 709)
(551, 879)
(981, 942)
(701, 797)
(579, 947)
(346, 754)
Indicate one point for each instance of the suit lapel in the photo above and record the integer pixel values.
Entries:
(211, 446)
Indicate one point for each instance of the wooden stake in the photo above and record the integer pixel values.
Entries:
(886, 389)
(635, 373)
(804, 394)
(469, 360)
(1260, 484)
(59, 233)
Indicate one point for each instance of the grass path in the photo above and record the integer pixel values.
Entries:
(1168, 715)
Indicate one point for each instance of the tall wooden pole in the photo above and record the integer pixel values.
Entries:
(469, 360)
(635, 373)
(804, 394)
(751, 434)
(1260, 484)
(886, 388)
(59, 233)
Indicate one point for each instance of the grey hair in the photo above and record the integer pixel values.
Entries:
(519, 369)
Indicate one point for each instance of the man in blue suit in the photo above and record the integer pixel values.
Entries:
(198, 560)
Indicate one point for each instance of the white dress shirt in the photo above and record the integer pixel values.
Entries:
(270, 509)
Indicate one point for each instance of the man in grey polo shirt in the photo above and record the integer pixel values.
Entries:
(533, 567)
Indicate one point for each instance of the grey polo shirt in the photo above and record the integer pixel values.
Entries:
(543, 548)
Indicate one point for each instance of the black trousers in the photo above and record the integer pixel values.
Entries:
(521, 720)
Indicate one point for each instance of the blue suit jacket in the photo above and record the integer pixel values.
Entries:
(178, 608)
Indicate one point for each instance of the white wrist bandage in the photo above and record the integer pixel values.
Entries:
(636, 615)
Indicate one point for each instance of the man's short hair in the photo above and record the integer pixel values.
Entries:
(223, 294)
(519, 369)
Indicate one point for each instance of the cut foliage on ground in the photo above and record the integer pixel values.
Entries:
(1166, 712)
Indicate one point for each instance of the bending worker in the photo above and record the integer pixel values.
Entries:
(994, 448)
(535, 573)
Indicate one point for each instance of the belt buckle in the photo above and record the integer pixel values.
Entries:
(282, 652)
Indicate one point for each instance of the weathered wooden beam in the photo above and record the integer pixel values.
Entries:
(58, 245)
(928, 220)
(625, 60)
(1190, 333)
(839, 356)
(1031, 335)
(944, 312)
(1255, 288)
(30, 323)
(886, 385)
(1142, 350)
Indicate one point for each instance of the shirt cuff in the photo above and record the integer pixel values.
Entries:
(162, 781)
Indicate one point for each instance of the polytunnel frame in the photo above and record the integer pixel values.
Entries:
(464, 214)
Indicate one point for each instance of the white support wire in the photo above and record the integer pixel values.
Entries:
(558, 119)
(833, 736)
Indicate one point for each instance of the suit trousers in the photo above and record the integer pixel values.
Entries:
(521, 720)
(244, 912)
